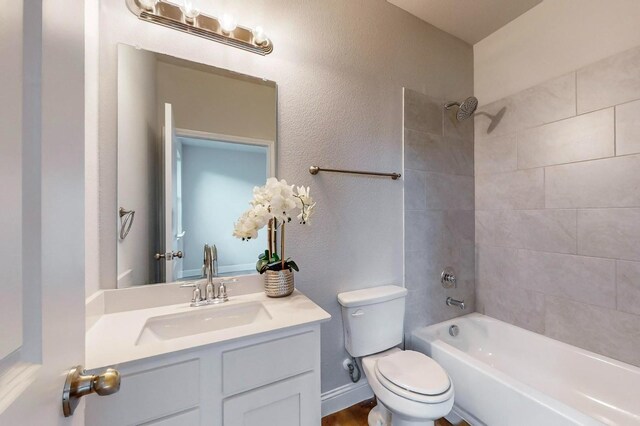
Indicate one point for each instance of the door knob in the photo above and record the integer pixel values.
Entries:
(79, 384)
(169, 256)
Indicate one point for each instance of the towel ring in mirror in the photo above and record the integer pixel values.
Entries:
(126, 222)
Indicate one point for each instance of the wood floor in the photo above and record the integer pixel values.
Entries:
(356, 415)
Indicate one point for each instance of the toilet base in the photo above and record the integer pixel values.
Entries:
(381, 416)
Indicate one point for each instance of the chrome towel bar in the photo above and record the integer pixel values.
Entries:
(314, 170)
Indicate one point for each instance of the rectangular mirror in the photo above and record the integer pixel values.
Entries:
(193, 141)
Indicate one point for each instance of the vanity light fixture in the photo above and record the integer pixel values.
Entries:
(148, 4)
(187, 18)
(189, 11)
(228, 23)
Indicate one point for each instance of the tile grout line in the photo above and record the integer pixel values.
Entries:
(586, 256)
(615, 131)
(615, 284)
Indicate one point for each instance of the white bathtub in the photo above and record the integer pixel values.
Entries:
(505, 375)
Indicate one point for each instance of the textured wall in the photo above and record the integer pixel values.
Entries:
(558, 208)
(438, 204)
(340, 68)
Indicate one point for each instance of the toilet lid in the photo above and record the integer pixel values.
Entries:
(414, 372)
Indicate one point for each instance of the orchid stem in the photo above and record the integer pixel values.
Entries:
(282, 244)
(270, 240)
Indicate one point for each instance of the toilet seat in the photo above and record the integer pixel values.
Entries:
(414, 376)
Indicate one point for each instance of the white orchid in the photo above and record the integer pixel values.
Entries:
(305, 204)
(275, 200)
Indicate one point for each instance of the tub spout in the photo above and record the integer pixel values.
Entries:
(453, 302)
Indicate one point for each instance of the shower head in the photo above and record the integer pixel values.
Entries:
(465, 109)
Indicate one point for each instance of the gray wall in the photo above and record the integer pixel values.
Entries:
(558, 208)
(438, 203)
(340, 83)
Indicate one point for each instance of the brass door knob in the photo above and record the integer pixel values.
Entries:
(79, 384)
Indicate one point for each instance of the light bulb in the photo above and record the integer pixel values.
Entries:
(189, 10)
(148, 4)
(228, 23)
(259, 37)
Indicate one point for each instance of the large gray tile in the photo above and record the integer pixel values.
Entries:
(609, 82)
(422, 227)
(583, 279)
(459, 227)
(498, 293)
(612, 233)
(422, 112)
(433, 153)
(523, 189)
(495, 265)
(422, 150)
(518, 306)
(612, 182)
(601, 330)
(415, 193)
(460, 159)
(496, 154)
(446, 192)
(545, 103)
(439, 228)
(628, 286)
(628, 128)
(544, 230)
(585, 137)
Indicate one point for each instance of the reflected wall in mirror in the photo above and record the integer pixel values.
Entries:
(193, 141)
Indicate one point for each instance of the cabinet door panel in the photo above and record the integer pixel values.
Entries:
(188, 418)
(252, 366)
(148, 394)
(286, 403)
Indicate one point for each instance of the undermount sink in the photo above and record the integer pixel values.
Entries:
(201, 320)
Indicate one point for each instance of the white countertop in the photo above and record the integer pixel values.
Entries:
(111, 340)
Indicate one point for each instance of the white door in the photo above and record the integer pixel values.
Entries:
(42, 320)
(172, 235)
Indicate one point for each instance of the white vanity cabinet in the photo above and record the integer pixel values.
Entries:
(264, 380)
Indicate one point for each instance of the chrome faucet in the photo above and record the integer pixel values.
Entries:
(210, 270)
(210, 262)
(212, 294)
(453, 302)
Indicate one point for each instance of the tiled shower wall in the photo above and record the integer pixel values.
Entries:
(557, 196)
(438, 208)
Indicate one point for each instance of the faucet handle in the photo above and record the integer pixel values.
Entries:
(222, 289)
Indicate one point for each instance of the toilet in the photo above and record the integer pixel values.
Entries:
(411, 388)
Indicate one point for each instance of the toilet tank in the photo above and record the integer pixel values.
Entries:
(373, 319)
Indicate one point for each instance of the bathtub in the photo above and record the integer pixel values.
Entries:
(505, 375)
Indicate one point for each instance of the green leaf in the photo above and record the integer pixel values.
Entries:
(291, 264)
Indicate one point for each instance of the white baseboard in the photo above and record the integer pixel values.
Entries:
(345, 396)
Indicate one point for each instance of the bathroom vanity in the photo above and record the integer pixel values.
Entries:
(251, 361)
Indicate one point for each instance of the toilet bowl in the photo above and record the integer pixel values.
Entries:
(411, 388)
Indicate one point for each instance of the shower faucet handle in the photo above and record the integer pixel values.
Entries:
(448, 278)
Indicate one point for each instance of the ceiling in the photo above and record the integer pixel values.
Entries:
(469, 20)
